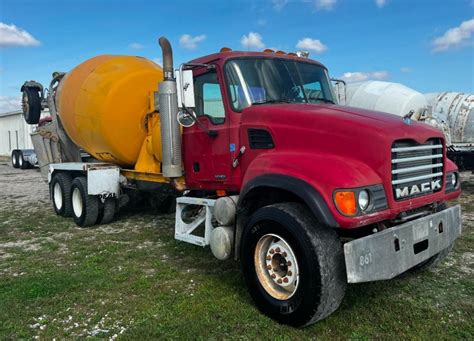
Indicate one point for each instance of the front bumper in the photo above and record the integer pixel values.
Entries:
(386, 254)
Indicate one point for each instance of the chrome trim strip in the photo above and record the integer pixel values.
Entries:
(421, 177)
(409, 149)
(417, 168)
(417, 158)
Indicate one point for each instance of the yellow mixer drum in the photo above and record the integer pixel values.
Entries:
(103, 104)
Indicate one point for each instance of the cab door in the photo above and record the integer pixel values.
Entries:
(207, 157)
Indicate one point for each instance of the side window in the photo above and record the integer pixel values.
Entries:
(209, 97)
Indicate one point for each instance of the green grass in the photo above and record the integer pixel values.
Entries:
(131, 279)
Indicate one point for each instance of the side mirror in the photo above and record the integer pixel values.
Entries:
(185, 87)
(185, 119)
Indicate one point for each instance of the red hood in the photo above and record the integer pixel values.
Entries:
(334, 120)
(338, 132)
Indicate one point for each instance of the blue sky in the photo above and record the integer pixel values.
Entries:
(427, 45)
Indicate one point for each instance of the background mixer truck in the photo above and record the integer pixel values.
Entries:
(265, 168)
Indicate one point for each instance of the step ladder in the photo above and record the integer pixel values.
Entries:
(184, 230)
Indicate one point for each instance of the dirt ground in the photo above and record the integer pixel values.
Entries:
(131, 279)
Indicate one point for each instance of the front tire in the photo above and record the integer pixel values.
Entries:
(85, 207)
(293, 266)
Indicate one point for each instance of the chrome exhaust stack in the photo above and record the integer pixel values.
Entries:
(168, 107)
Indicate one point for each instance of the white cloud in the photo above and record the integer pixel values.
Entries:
(406, 69)
(363, 76)
(9, 103)
(309, 44)
(189, 42)
(380, 3)
(454, 36)
(10, 36)
(325, 4)
(279, 4)
(252, 41)
(136, 46)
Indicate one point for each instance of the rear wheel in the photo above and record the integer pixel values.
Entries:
(293, 266)
(85, 207)
(22, 163)
(61, 194)
(108, 209)
(14, 159)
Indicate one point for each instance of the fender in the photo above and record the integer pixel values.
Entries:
(319, 173)
(300, 188)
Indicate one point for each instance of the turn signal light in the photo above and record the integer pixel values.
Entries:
(346, 202)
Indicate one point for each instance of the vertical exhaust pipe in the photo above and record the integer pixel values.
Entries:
(168, 105)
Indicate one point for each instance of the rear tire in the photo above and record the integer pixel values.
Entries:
(22, 163)
(85, 207)
(15, 159)
(61, 194)
(316, 285)
(108, 209)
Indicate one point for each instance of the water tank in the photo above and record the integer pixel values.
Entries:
(393, 98)
(103, 104)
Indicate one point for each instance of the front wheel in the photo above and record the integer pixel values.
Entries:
(293, 266)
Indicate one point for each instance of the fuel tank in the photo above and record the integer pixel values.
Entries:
(103, 105)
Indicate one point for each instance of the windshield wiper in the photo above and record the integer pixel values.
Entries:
(272, 101)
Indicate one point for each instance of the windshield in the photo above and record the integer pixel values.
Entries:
(255, 81)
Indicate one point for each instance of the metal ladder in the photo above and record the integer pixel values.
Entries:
(183, 231)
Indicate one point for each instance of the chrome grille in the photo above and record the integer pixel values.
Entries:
(417, 169)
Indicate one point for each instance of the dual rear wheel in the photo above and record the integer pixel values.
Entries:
(18, 161)
(71, 199)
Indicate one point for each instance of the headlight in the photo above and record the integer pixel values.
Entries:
(454, 179)
(364, 199)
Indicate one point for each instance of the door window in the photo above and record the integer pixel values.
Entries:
(209, 97)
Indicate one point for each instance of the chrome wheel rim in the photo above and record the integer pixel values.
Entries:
(276, 267)
(58, 196)
(14, 160)
(77, 205)
(20, 160)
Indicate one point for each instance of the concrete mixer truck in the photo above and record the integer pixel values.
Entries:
(266, 168)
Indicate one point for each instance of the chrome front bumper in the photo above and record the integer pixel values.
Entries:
(388, 253)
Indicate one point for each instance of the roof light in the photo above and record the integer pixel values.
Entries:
(280, 52)
(225, 49)
(302, 54)
(268, 51)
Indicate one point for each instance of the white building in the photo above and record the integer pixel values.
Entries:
(14, 132)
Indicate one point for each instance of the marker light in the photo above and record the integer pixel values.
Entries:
(346, 202)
